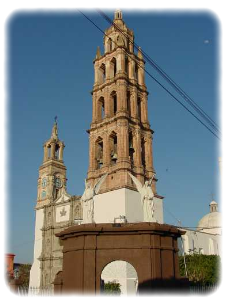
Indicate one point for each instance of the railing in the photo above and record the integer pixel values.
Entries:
(206, 294)
(25, 295)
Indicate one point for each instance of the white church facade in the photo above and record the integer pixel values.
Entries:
(120, 163)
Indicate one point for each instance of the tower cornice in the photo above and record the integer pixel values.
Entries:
(114, 51)
(114, 80)
(55, 163)
(122, 115)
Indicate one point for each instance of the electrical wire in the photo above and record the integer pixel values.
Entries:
(154, 79)
(197, 108)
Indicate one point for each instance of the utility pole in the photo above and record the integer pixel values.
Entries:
(222, 165)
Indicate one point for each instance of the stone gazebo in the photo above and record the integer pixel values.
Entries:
(150, 248)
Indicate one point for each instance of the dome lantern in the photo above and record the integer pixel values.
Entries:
(213, 206)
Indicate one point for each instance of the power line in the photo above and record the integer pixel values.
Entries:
(197, 108)
(153, 78)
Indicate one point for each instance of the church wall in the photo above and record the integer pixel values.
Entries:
(123, 202)
(35, 273)
(109, 205)
(158, 210)
(204, 243)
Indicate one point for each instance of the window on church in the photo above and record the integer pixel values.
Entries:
(131, 149)
(143, 150)
(139, 108)
(113, 148)
(136, 71)
(113, 69)
(109, 45)
(211, 246)
(113, 106)
(49, 151)
(102, 74)
(43, 194)
(129, 103)
(126, 65)
(56, 193)
(77, 212)
(57, 152)
(99, 152)
(102, 111)
(101, 108)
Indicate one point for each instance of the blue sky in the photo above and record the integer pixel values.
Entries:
(50, 72)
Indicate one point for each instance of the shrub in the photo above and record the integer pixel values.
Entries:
(112, 293)
(201, 269)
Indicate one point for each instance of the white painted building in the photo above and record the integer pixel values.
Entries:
(206, 238)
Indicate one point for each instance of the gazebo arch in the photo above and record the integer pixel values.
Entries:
(151, 248)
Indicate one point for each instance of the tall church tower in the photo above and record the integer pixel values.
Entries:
(120, 135)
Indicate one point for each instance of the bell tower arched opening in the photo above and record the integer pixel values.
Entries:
(113, 69)
(49, 151)
(131, 149)
(57, 151)
(109, 45)
(129, 103)
(102, 74)
(113, 148)
(99, 152)
(100, 108)
(143, 151)
(113, 104)
(139, 108)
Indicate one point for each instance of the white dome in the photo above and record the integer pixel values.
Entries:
(213, 220)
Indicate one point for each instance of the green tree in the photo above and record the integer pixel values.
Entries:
(24, 274)
(5, 275)
(112, 288)
(201, 269)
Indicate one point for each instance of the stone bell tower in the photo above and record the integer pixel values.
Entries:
(120, 135)
(52, 172)
(50, 189)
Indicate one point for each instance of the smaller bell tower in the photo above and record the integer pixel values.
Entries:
(51, 188)
(52, 172)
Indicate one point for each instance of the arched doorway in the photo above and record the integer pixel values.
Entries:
(119, 275)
